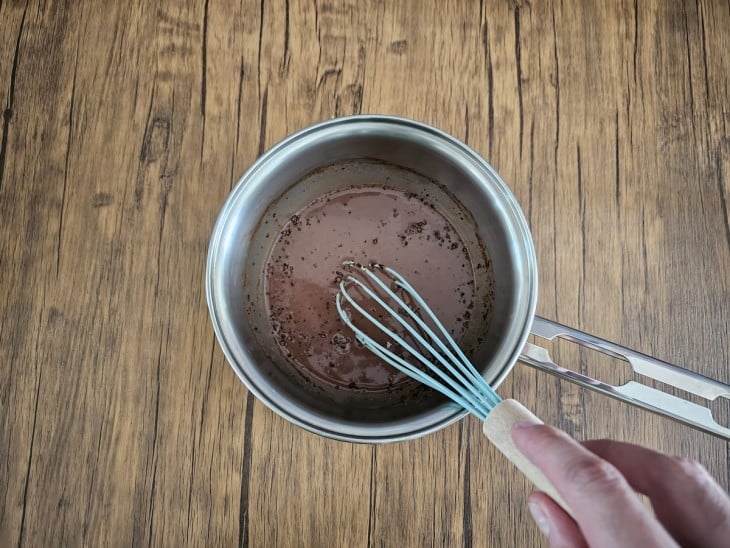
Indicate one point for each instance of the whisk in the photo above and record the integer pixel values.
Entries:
(443, 365)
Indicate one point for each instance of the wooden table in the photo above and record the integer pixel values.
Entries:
(124, 129)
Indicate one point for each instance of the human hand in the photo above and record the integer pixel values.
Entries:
(599, 479)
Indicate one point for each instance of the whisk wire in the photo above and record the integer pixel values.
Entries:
(478, 381)
(474, 375)
(409, 310)
(410, 329)
(471, 391)
(463, 395)
(474, 407)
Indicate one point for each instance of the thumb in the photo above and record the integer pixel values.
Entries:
(553, 522)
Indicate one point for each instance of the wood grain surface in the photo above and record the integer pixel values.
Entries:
(124, 128)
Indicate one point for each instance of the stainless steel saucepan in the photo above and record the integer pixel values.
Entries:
(272, 190)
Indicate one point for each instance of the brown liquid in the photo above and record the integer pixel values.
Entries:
(364, 224)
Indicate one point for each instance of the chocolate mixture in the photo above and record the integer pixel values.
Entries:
(364, 224)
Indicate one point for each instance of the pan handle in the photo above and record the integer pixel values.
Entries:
(634, 392)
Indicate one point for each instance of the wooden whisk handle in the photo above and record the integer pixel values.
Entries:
(498, 426)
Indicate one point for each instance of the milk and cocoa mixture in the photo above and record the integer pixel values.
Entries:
(364, 224)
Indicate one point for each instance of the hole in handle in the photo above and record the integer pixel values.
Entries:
(720, 407)
(587, 361)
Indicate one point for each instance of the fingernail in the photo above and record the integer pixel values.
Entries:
(524, 424)
(540, 518)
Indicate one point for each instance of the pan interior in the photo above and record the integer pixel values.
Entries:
(372, 407)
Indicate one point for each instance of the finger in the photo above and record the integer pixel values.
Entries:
(605, 507)
(554, 522)
(686, 499)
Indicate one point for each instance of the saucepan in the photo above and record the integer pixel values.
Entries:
(477, 201)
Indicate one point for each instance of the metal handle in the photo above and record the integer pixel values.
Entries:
(634, 392)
